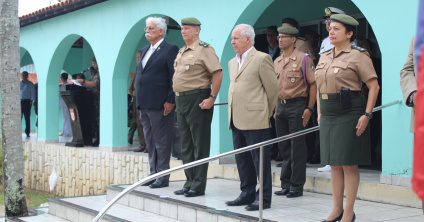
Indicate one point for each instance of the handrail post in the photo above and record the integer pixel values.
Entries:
(261, 183)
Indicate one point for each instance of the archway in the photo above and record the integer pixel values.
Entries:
(73, 55)
(310, 19)
(125, 68)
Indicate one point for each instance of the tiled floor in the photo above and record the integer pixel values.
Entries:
(310, 207)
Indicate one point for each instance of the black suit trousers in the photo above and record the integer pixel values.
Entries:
(248, 163)
(26, 112)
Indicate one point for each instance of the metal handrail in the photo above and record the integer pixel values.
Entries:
(229, 153)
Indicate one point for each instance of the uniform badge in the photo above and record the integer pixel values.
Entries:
(292, 80)
(294, 65)
(336, 70)
(187, 67)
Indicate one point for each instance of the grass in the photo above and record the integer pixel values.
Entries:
(34, 198)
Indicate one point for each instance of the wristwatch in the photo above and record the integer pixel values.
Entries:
(368, 115)
(309, 108)
(214, 97)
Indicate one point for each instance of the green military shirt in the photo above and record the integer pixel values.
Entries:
(194, 66)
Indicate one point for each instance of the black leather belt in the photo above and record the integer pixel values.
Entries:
(191, 92)
(333, 96)
(285, 101)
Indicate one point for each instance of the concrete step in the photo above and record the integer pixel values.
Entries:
(84, 209)
(211, 207)
(164, 203)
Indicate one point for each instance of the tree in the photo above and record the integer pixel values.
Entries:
(11, 138)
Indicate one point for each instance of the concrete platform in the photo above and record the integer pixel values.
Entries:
(310, 207)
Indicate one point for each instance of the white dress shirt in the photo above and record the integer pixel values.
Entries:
(150, 52)
(243, 58)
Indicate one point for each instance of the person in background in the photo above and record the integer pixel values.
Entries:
(27, 96)
(296, 102)
(66, 118)
(94, 85)
(134, 121)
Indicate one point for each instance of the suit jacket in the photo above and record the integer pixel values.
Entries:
(408, 79)
(153, 83)
(253, 91)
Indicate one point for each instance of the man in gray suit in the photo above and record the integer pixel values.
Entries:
(252, 97)
(155, 97)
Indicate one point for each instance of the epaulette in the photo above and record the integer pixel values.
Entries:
(358, 48)
(204, 44)
(328, 50)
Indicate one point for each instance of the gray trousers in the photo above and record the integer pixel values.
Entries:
(288, 119)
(159, 135)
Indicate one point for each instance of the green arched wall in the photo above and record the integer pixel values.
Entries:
(113, 42)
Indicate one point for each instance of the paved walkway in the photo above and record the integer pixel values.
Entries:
(310, 207)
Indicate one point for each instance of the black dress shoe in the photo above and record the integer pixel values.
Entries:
(335, 219)
(293, 194)
(158, 184)
(181, 192)
(282, 192)
(148, 183)
(239, 202)
(136, 149)
(193, 193)
(255, 206)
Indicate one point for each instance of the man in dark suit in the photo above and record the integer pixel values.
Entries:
(155, 97)
(251, 100)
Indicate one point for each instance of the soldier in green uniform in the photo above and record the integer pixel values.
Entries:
(343, 113)
(296, 101)
(94, 85)
(196, 83)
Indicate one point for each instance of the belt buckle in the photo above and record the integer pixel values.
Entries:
(324, 96)
(283, 101)
(177, 93)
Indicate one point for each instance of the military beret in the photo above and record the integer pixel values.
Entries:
(190, 21)
(331, 11)
(288, 30)
(345, 19)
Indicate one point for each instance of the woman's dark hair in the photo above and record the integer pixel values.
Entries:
(349, 28)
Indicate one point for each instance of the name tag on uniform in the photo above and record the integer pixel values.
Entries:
(324, 96)
(294, 65)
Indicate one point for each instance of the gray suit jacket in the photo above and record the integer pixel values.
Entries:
(408, 79)
(253, 91)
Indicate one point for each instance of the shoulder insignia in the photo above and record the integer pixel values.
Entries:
(204, 44)
(327, 51)
(358, 48)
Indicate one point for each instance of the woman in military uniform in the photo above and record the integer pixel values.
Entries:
(343, 113)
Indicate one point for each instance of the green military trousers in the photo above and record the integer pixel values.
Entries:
(194, 126)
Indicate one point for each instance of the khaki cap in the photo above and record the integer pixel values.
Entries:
(288, 30)
(345, 19)
(190, 21)
(331, 11)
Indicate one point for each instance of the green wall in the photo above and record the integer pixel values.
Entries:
(116, 33)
